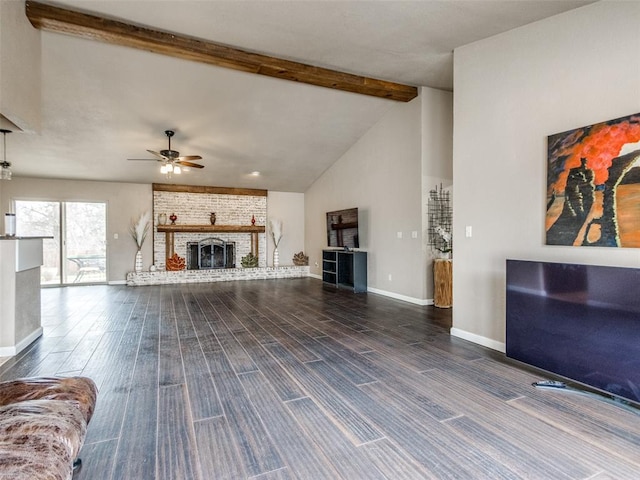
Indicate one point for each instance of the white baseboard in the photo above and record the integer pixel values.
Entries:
(117, 282)
(404, 298)
(480, 340)
(21, 345)
(397, 296)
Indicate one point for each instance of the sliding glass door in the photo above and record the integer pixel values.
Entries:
(42, 219)
(85, 242)
(80, 257)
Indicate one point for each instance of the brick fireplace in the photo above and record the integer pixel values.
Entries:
(193, 205)
(234, 209)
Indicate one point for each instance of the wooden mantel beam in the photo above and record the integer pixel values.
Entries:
(55, 19)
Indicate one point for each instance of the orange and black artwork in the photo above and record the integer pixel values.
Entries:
(593, 185)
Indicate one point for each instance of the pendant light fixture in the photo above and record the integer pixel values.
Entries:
(5, 167)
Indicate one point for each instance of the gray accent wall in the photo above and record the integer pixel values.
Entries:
(382, 175)
(511, 92)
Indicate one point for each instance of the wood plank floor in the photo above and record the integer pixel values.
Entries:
(284, 379)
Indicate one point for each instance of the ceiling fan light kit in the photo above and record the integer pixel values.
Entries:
(169, 168)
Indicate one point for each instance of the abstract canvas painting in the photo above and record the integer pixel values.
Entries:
(593, 185)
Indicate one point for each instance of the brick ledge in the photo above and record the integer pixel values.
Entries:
(215, 275)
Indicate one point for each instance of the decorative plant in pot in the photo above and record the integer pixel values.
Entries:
(249, 261)
(139, 229)
(300, 259)
(275, 227)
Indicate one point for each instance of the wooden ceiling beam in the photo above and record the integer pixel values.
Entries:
(172, 187)
(55, 19)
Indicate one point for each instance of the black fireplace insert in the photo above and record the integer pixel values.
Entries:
(211, 253)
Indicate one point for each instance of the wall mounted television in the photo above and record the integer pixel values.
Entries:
(579, 321)
(342, 229)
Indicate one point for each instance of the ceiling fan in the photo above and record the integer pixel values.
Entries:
(171, 159)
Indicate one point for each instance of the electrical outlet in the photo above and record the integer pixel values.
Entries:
(399, 234)
(115, 236)
(414, 234)
(468, 231)
(390, 278)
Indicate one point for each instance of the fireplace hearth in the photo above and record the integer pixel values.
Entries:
(210, 253)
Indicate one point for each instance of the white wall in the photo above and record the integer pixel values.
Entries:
(124, 202)
(511, 92)
(381, 175)
(289, 208)
(437, 160)
(128, 200)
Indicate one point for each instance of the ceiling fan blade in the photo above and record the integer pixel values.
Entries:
(144, 159)
(159, 155)
(188, 164)
(172, 157)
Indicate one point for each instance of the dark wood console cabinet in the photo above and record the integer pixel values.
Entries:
(345, 269)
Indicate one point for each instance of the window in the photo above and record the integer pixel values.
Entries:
(80, 257)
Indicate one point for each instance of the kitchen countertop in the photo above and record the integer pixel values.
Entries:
(4, 237)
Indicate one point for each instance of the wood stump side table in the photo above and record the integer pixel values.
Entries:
(442, 283)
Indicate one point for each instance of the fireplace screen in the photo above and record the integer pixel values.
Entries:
(211, 253)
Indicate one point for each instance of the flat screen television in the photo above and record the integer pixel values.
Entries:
(342, 229)
(579, 321)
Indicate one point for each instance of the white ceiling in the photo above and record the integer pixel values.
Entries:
(103, 104)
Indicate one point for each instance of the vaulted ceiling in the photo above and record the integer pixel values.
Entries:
(103, 104)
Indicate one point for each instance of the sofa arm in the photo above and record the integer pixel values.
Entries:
(39, 439)
(81, 391)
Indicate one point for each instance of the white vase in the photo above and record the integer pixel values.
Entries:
(276, 258)
(138, 265)
(443, 255)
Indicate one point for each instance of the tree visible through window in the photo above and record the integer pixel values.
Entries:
(82, 225)
(85, 242)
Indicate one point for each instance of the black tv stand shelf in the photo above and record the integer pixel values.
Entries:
(345, 269)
